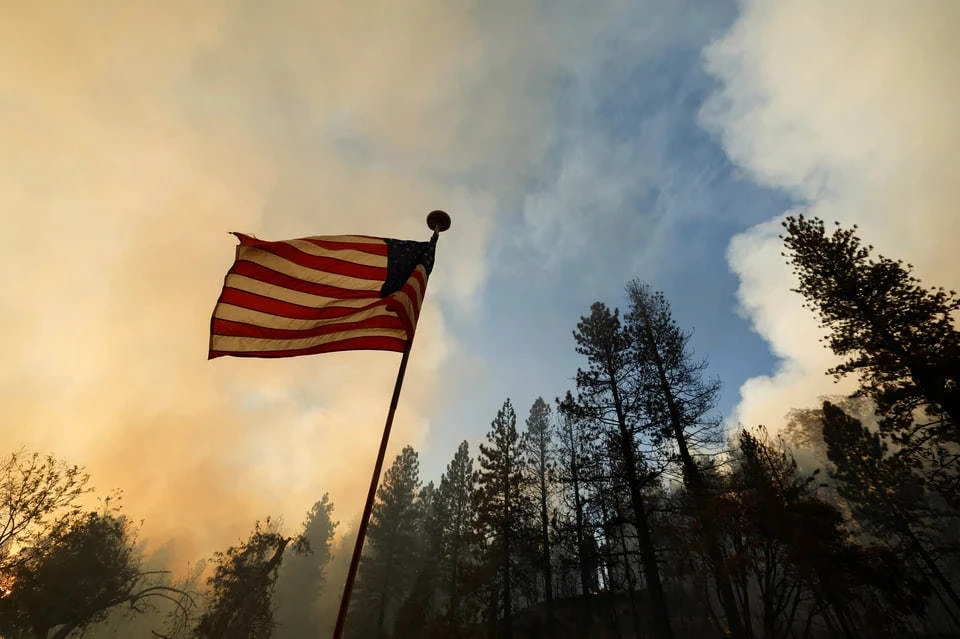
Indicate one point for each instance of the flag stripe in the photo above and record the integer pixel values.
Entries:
(259, 287)
(285, 310)
(267, 319)
(233, 344)
(229, 328)
(406, 302)
(369, 244)
(323, 263)
(318, 294)
(351, 344)
(270, 276)
(346, 255)
(355, 243)
(300, 271)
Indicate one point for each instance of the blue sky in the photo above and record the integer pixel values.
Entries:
(679, 200)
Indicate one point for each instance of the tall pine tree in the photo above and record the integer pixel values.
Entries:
(896, 336)
(242, 587)
(573, 457)
(678, 400)
(302, 576)
(540, 465)
(503, 508)
(455, 511)
(388, 568)
(420, 606)
(607, 396)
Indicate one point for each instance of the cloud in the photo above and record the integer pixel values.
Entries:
(850, 108)
(615, 167)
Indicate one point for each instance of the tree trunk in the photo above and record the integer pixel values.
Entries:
(651, 570)
(937, 573)
(382, 611)
(609, 563)
(695, 483)
(454, 607)
(545, 534)
(585, 580)
(631, 583)
(507, 586)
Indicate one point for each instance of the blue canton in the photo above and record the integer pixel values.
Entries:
(402, 258)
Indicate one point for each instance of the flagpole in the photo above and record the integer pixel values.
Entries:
(437, 221)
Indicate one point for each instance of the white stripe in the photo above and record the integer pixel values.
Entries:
(242, 344)
(281, 265)
(407, 306)
(411, 308)
(257, 287)
(416, 283)
(266, 320)
(353, 239)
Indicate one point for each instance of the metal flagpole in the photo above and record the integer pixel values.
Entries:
(438, 221)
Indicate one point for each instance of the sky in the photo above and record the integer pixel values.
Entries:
(576, 145)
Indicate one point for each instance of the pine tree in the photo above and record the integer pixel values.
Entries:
(302, 576)
(419, 607)
(886, 495)
(678, 400)
(607, 396)
(539, 462)
(455, 513)
(801, 557)
(388, 568)
(502, 507)
(574, 452)
(895, 335)
(242, 585)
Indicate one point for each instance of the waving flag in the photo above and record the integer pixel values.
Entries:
(320, 294)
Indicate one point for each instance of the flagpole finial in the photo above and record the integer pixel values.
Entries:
(438, 221)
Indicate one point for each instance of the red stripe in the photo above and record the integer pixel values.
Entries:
(326, 264)
(393, 344)
(400, 309)
(376, 246)
(409, 323)
(269, 276)
(229, 328)
(271, 306)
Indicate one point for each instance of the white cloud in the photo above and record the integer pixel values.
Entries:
(851, 107)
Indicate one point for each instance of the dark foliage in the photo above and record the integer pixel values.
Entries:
(895, 335)
(242, 585)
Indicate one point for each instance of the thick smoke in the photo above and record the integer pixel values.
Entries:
(851, 108)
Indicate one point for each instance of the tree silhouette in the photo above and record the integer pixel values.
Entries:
(302, 576)
(538, 446)
(678, 400)
(242, 587)
(455, 512)
(886, 495)
(73, 576)
(503, 509)
(35, 491)
(607, 396)
(895, 335)
(573, 453)
(389, 562)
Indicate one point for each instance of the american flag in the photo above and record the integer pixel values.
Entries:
(320, 294)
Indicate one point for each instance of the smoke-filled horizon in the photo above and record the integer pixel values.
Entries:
(576, 147)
